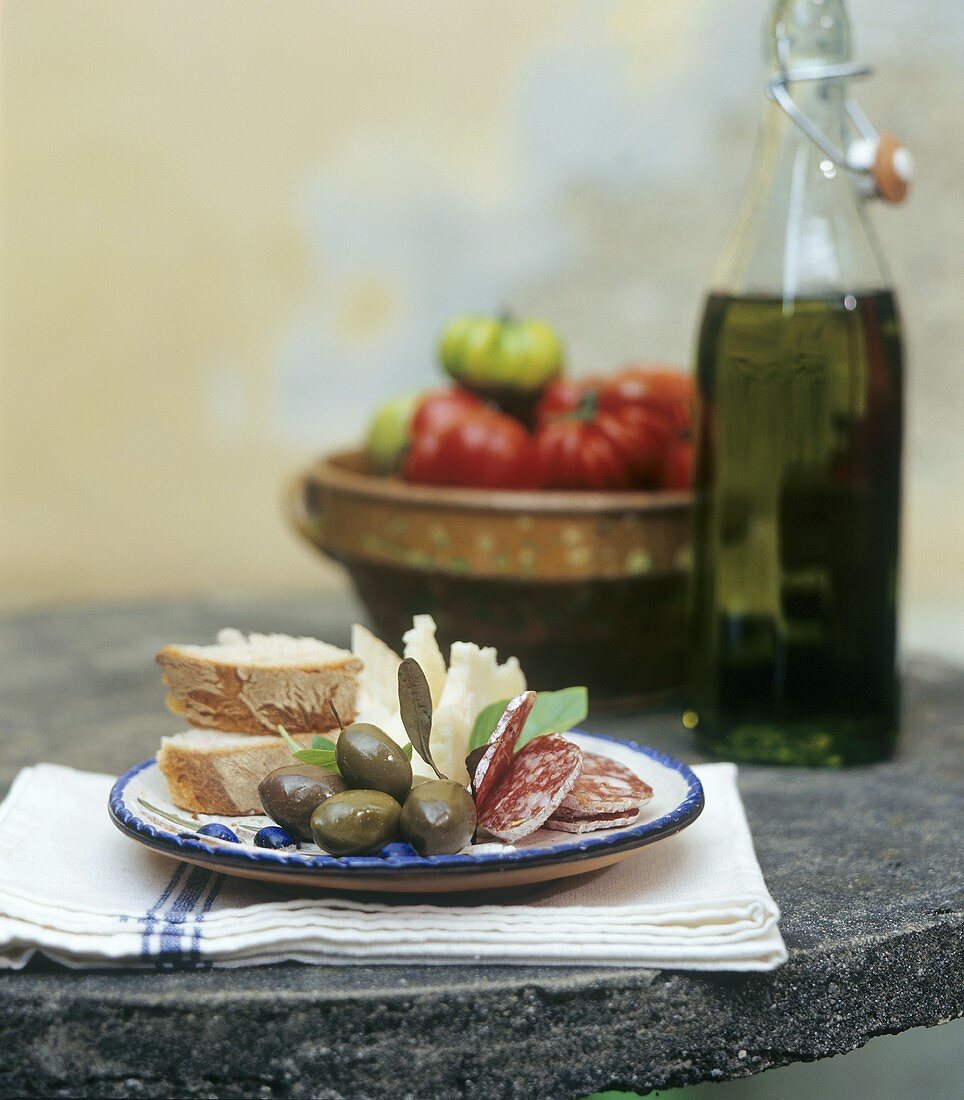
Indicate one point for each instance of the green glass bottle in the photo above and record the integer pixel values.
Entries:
(799, 423)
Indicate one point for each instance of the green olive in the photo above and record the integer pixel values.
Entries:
(289, 795)
(369, 759)
(356, 823)
(438, 818)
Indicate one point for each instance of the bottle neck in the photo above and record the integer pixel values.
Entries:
(822, 101)
(804, 32)
(802, 230)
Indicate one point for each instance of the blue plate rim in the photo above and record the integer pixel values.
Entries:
(582, 846)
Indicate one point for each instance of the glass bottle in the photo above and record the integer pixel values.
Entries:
(799, 423)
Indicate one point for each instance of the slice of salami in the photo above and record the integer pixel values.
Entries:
(499, 754)
(541, 775)
(590, 824)
(605, 786)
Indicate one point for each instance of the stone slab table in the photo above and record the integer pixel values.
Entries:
(866, 866)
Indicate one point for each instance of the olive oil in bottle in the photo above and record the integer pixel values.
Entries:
(798, 527)
(799, 423)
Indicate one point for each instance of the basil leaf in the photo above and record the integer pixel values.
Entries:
(415, 705)
(321, 758)
(485, 722)
(554, 712)
(319, 755)
(407, 749)
(292, 743)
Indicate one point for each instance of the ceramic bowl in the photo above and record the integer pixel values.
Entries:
(583, 587)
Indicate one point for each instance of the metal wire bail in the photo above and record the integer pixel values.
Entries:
(882, 166)
(777, 89)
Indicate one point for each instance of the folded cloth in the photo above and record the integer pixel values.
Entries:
(78, 890)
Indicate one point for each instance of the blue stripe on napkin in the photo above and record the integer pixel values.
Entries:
(175, 918)
(150, 915)
(195, 955)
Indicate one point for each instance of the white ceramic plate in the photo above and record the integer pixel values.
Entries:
(141, 808)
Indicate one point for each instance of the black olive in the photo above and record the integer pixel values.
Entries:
(290, 794)
(473, 760)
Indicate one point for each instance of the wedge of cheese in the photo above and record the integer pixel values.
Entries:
(473, 680)
(421, 646)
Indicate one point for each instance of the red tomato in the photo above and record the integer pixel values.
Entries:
(574, 453)
(653, 404)
(478, 448)
(662, 390)
(678, 467)
(562, 395)
(437, 409)
(611, 433)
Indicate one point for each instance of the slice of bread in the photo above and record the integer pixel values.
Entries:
(254, 684)
(218, 773)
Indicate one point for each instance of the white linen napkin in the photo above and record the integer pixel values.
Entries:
(75, 888)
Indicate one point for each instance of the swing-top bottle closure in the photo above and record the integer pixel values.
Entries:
(880, 164)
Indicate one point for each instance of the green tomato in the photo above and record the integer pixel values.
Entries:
(531, 351)
(389, 431)
(510, 355)
(453, 339)
(480, 350)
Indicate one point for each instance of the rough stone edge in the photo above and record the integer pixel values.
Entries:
(639, 1035)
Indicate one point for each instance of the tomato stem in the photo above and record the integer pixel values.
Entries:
(588, 404)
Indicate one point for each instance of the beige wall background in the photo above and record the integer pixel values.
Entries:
(228, 229)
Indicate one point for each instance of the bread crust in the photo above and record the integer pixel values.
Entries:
(219, 779)
(256, 699)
